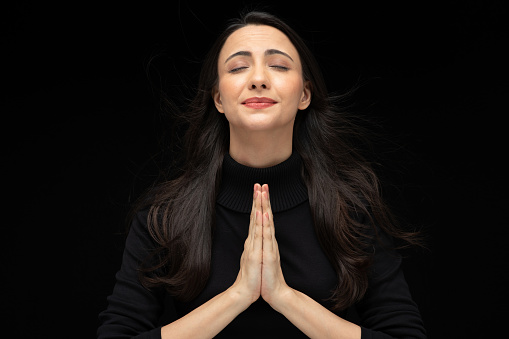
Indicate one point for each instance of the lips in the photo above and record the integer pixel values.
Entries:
(259, 102)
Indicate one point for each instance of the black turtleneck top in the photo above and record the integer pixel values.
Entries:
(386, 311)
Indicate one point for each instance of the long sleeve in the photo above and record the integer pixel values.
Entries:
(387, 310)
(133, 311)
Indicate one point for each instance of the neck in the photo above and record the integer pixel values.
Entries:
(287, 189)
(260, 149)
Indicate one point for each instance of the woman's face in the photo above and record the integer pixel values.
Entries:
(260, 80)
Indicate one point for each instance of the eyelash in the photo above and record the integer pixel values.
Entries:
(238, 69)
(282, 68)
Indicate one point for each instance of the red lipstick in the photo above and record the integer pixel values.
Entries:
(259, 102)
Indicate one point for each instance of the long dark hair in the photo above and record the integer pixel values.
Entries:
(342, 185)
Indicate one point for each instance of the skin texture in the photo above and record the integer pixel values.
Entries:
(260, 272)
(260, 61)
(260, 137)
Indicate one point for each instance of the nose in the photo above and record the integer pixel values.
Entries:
(259, 79)
(253, 86)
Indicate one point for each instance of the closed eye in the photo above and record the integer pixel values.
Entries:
(281, 68)
(237, 69)
(278, 67)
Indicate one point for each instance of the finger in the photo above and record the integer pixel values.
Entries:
(266, 207)
(256, 192)
(268, 235)
(258, 200)
(252, 216)
(258, 232)
(268, 221)
(257, 224)
(265, 188)
(256, 188)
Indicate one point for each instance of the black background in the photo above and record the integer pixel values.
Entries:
(81, 126)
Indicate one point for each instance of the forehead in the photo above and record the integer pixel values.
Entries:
(257, 38)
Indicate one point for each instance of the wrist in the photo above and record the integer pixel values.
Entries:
(239, 297)
(282, 299)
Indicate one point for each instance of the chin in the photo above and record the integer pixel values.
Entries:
(260, 121)
(264, 124)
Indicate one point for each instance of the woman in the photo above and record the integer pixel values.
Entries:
(274, 227)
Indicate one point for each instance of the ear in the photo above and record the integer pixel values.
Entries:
(305, 98)
(216, 96)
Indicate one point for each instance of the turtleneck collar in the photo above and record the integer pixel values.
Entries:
(287, 188)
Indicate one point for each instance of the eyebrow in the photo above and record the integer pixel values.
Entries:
(249, 54)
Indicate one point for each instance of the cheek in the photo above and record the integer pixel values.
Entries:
(230, 90)
(290, 88)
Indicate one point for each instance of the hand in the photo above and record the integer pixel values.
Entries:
(249, 279)
(273, 282)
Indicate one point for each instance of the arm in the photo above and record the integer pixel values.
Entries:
(210, 318)
(312, 318)
(384, 315)
(134, 311)
(387, 311)
(305, 313)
